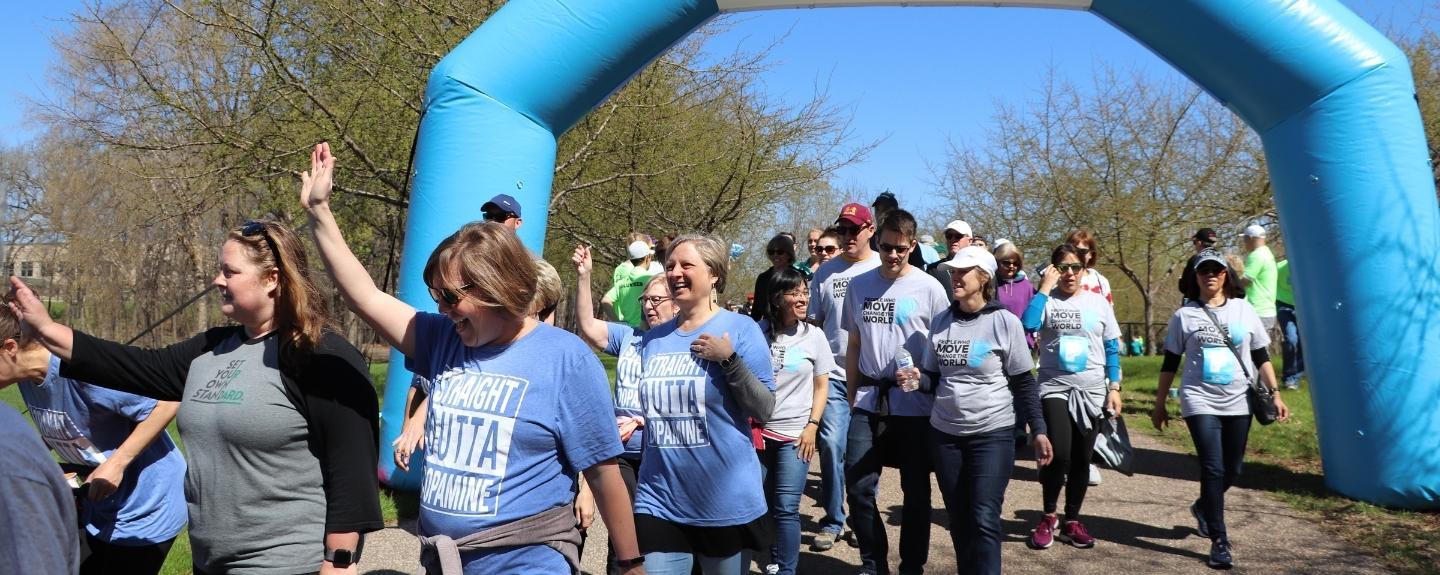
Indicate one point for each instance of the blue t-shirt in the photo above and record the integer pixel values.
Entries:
(699, 466)
(84, 424)
(508, 429)
(623, 342)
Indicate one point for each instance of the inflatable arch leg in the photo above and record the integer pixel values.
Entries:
(1331, 98)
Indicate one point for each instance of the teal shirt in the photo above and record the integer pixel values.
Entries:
(1260, 268)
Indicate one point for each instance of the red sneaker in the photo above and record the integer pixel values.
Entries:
(1044, 533)
(1074, 533)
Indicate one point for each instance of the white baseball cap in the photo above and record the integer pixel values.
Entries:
(639, 249)
(1255, 231)
(927, 239)
(969, 257)
(959, 226)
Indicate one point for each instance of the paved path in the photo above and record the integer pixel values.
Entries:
(1142, 522)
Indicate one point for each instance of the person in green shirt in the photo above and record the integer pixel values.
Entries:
(629, 281)
(1290, 352)
(1259, 278)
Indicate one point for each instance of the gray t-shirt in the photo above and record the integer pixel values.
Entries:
(797, 357)
(1212, 381)
(827, 302)
(1072, 341)
(886, 314)
(975, 359)
(251, 442)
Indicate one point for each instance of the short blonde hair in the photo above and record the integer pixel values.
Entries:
(712, 251)
(548, 289)
(491, 259)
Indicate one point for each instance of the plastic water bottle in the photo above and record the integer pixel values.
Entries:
(903, 362)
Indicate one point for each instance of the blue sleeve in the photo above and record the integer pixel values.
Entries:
(133, 407)
(615, 334)
(587, 435)
(1035, 312)
(428, 340)
(1112, 360)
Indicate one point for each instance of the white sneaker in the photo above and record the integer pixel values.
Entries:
(772, 569)
(1094, 474)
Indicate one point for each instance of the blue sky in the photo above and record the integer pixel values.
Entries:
(914, 77)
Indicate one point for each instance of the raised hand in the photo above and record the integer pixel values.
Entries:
(1049, 279)
(27, 306)
(316, 182)
(582, 261)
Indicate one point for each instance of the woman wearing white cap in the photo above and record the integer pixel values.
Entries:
(1079, 360)
(980, 363)
(1220, 338)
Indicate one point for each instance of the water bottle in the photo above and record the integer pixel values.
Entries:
(903, 362)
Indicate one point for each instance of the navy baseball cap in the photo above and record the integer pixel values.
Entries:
(503, 202)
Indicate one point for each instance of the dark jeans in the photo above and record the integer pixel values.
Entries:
(1072, 457)
(1220, 445)
(627, 473)
(903, 442)
(1290, 352)
(108, 558)
(973, 471)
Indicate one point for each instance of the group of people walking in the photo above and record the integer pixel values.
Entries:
(861, 358)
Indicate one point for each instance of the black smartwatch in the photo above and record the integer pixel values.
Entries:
(628, 563)
(342, 558)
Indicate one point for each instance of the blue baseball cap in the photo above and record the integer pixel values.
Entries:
(504, 203)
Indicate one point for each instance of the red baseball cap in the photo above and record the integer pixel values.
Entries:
(856, 214)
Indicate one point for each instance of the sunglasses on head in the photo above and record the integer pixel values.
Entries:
(1072, 268)
(451, 297)
(827, 249)
(254, 228)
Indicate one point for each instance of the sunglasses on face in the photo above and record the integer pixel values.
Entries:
(847, 230)
(254, 228)
(1070, 268)
(827, 249)
(776, 252)
(1210, 270)
(1009, 263)
(498, 217)
(451, 297)
(952, 238)
(892, 249)
(1082, 252)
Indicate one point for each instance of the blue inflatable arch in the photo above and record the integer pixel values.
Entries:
(1331, 98)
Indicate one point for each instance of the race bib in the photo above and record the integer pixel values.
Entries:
(1074, 353)
(1219, 365)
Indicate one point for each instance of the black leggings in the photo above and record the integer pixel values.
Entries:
(108, 559)
(1072, 456)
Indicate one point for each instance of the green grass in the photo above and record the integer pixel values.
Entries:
(1284, 460)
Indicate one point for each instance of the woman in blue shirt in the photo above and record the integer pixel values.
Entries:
(135, 505)
(706, 371)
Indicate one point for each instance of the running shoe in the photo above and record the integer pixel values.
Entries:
(1201, 526)
(1094, 475)
(1073, 532)
(1044, 533)
(824, 540)
(1220, 555)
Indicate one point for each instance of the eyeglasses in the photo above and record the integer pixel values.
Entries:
(798, 292)
(653, 301)
(827, 249)
(1210, 270)
(1071, 268)
(255, 227)
(847, 230)
(498, 216)
(447, 295)
(891, 248)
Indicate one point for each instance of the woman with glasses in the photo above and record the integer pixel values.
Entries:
(512, 417)
(1012, 288)
(781, 251)
(1079, 379)
(277, 413)
(827, 247)
(706, 374)
(976, 354)
(1221, 341)
(1092, 280)
(801, 359)
(622, 342)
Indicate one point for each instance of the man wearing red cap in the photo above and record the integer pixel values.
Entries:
(827, 298)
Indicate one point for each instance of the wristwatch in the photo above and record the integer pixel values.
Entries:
(729, 362)
(628, 563)
(342, 558)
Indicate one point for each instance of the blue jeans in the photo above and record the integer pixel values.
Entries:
(784, 482)
(973, 472)
(1290, 352)
(865, 457)
(834, 426)
(666, 563)
(1220, 445)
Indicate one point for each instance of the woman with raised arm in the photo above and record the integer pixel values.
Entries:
(512, 415)
(1220, 339)
(278, 413)
(706, 374)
